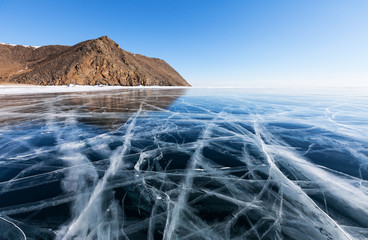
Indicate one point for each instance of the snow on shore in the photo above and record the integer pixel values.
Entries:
(33, 89)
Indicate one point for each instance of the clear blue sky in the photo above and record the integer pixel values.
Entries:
(248, 43)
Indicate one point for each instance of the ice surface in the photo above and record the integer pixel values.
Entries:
(183, 164)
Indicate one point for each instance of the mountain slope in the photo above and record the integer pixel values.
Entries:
(97, 61)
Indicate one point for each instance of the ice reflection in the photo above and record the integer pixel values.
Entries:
(170, 164)
(107, 109)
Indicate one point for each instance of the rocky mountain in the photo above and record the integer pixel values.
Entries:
(97, 61)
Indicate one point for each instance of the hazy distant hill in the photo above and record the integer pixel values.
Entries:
(97, 61)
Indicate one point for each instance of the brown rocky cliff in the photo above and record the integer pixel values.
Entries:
(97, 61)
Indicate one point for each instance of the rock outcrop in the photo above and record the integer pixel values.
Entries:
(92, 62)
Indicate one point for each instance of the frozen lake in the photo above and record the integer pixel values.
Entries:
(184, 164)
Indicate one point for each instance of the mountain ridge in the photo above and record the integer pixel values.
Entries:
(91, 62)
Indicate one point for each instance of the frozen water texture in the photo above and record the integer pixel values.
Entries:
(183, 164)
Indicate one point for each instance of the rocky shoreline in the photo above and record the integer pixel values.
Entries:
(93, 62)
